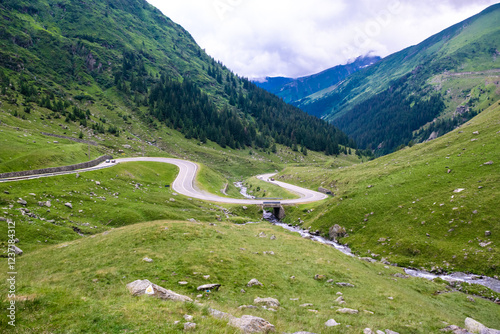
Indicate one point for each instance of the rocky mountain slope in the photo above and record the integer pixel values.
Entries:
(293, 90)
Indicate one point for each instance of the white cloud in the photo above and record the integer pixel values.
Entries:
(258, 38)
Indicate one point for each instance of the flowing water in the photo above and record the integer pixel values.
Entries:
(243, 190)
(489, 282)
(492, 283)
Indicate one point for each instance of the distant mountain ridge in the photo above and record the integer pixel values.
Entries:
(428, 88)
(291, 90)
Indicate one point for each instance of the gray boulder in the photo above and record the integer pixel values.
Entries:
(254, 282)
(337, 231)
(251, 324)
(209, 287)
(349, 285)
(271, 302)
(139, 287)
(189, 326)
(347, 311)
(22, 202)
(476, 327)
(68, 205)
(331, 323)
(16, 250)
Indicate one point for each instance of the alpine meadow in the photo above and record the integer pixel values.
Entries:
(146, 188)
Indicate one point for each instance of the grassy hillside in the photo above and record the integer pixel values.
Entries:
(426, 206)
(376, 105)
(79, 286)
(129, 61)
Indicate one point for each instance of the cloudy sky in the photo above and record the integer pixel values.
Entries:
(259, 38)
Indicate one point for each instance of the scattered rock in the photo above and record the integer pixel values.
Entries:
(319, 277)
(367, 331)
(349, 285)
(97, 183)
(182, 283)
(459, 190)
(388, 331)
(206, 276)
(347, 311)
(487, 233)
(455, 330)
(243, 307)
(189, 326)
(68, 205)
(475, 133)
(188, 317)
(251, 324)
(478, 328)
(368, 259)
(262, 235)
(139, 287)
(16, 250)
(147, 259)
(244, 208)
(254, 282)
(271, 302)
(340, 300)
(331, 323)
(399, 275)
(215, 286)
(22, 202)
(488, 163)
(273, 237)
(337, 231)
(306, 305)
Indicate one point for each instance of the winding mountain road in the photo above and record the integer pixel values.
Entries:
(184, 183)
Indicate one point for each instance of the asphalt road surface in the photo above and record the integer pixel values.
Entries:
(184, 183)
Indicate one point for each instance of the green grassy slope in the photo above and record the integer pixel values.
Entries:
(79, 286)
(403, 207)
(106, 64)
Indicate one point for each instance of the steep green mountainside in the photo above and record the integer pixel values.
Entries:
(292, 90)
(433, 205)
(62, 57)
(424, 90)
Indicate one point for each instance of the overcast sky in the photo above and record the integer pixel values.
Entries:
(259, 38)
